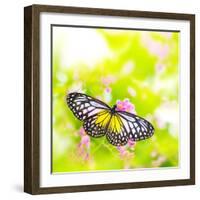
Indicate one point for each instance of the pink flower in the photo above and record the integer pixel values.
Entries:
(158, 49)
(159, 67)
(131, 143)
(108, 80)
(155, 47)
(125, 106)
(84, 145)
(108, 90)
(126, 156)
(85, 141)
(122, 151)
(81, 131)
(131, 91)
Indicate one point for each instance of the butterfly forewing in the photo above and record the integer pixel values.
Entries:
(84, 106)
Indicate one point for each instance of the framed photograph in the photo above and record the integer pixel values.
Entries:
(109, 99)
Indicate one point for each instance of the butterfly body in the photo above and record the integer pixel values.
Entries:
(99, 120)
(113, 109)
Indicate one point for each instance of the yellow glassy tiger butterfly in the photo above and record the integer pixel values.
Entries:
(99, 119)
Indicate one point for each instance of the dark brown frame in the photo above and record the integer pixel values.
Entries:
(32, 105)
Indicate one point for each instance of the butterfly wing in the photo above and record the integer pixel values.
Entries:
(96, 125)
(94, 113)
(116, 133)
(127, 126)
(137, 127)
(84, 106)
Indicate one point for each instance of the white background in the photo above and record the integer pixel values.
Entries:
(11, 100)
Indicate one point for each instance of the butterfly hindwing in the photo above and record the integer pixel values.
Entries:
(116, 132)
(132, 127)
(96, 125)
(136, 127)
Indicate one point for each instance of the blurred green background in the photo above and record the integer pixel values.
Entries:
(111, 65)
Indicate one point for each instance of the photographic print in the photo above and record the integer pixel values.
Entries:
(109, 99)
(114, 99)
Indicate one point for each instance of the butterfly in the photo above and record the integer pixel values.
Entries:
(101, 120)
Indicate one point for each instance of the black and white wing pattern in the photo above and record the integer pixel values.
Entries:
(136, 127)
(96, 125)
(116, 132)
(93, 112)
(84, 106)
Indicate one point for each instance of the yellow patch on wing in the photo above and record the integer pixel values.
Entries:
(115, 124)
(103, 118)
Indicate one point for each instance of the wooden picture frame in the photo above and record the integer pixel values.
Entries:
(32, 93)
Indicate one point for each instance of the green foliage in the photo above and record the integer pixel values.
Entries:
(141, 66)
